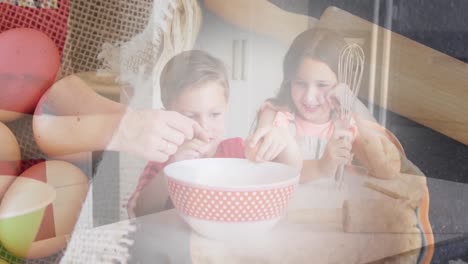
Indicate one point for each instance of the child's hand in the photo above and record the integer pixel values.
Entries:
(267, 143)
(191, 149)
(337, 151)
(335, 96)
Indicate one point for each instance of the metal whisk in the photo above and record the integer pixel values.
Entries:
(350, 71)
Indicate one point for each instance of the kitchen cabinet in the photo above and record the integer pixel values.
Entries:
(254, 65)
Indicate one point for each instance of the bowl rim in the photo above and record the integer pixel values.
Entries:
(41, 205)
(241, 188)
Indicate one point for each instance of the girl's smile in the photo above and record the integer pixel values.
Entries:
(310, 108)
(314, 79)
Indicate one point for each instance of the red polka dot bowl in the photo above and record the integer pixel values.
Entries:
(230, 198)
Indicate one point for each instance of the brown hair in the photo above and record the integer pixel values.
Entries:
(318, 44)
(190, 69)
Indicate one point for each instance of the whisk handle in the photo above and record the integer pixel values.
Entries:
(339, 176)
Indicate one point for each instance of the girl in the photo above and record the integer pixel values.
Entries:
(306, 103)
(195, 84)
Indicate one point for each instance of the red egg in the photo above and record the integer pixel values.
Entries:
(28, 67)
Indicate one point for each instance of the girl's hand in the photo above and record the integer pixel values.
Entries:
(337, 151)
(335, 96)
(192, 149)
(267, 143)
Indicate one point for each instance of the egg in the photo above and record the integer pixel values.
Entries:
(71, 186)
(29, 65)
(5, 183)
(10, 154)
(21, 212)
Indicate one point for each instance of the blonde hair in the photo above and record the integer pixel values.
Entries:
(172, 28)
(190, 69)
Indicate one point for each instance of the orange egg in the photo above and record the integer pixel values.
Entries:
(71, 186)
(10, 154)
(28, 66)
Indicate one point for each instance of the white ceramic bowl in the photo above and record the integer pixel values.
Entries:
(230, 198)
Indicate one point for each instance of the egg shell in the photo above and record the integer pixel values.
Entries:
(21, 213)
(29, 65)
(7, 116)
(71, 186)
(10, 153)
(5, 182)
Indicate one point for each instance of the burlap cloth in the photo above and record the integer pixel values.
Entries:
(82, 29)
(93, 23)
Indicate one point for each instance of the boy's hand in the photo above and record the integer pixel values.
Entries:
(267, 143)
(192, 149)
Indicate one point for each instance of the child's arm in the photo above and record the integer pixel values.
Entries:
(337, 151)
(273, 143)
(266, 115)
(371, 146)
(291, 154)
(153, 197)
